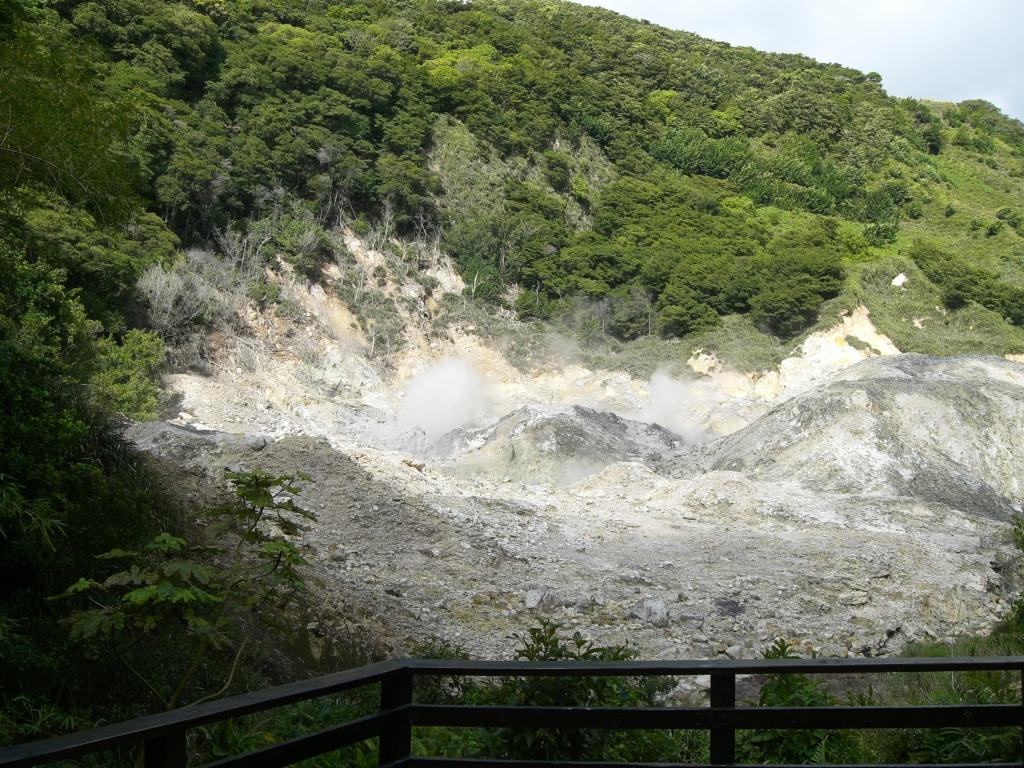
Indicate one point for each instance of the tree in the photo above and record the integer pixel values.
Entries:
(631, 312)
(247, 572)
(681, 312)
(934, 141)
(557, 170)
(58, 127)
(786, 308)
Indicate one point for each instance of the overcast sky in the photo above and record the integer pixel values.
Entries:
(949, 50)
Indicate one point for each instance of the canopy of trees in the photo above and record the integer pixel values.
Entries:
(239, 108)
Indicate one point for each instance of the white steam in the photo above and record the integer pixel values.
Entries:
(684, 407)
(447, 395)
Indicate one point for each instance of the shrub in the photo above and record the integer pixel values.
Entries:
(429, 282)
(683, 313)
(791, 747)
(533, 304)
(946, 272)
(303, 243)
(962, 283)
(580, 189)
(125, 380)
(631, 312)
(962, 136)
(263, 291)
(179, 297)
(182, 304)
(378, 316)
(786, 308)
(544, 643)
(880, 234)
(246, 249)
(933, 138)
(557, 170)
(1012, 217)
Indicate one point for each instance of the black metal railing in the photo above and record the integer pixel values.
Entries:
(164, 735)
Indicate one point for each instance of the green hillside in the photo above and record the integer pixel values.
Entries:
(572, 152)
(578, 166)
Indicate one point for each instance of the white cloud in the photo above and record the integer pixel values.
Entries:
(939, 49)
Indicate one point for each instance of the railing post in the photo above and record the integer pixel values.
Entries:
(723, 738)
(396, 737)
(166, 751)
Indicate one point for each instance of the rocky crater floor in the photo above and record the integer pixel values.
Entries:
(865, 510)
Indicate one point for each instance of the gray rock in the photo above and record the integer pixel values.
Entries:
(652, 611)
(533, 599)
(256, 442)
(535, 445)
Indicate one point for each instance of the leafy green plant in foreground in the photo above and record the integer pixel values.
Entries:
(546, 642)
(543, 643)
(199, 594)
(792, 746)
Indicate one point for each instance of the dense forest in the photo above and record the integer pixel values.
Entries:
(565, 157)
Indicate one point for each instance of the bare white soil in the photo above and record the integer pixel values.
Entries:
(852, 500)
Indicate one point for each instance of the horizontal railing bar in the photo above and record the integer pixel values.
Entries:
(469, 762)
(700, 718)
(462, 762)
(604, 718)
(310, 745)
(109, 736)
(470, 667)
(939, 716)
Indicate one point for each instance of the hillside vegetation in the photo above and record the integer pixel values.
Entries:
(562, 153)
(579, 166)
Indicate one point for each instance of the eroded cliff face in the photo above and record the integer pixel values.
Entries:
(941, 430)
(852, 500)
